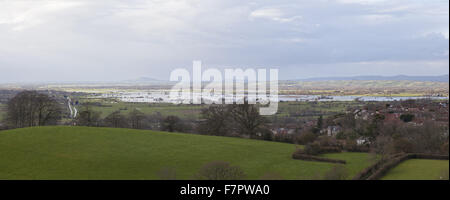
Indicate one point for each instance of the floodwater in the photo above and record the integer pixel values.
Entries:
(164, 97)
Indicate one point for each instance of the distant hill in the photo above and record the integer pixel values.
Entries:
(443, 78)
(146, 80)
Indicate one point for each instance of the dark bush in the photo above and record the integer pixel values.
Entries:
(341, 135)
(402, 145)
(300, 155)
(328, 141)
(172, 124)
(330, 149)
(406, 117)
(306, 138)
(315, 149)
(312, 149)
(284, 137)
(352, 146)
(267, 135)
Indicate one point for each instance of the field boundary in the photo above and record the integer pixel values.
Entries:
(299, 156)
(380, 168)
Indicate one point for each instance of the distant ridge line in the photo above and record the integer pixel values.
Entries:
(442, 78)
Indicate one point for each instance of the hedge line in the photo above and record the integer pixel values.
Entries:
(380, 168)
(360, 149)
(300, 156)
(430, 156)
(329, 149)
(388, 166)
(364, 174)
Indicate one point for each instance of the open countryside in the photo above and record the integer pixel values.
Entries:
(341, 90)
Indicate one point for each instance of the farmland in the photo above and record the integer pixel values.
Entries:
(2, 111)
(106, 153)
(418, 169)
(192, 112)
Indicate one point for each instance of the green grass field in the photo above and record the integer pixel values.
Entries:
(2, 111)
(107, 153)
(192, 112)
(418, 169)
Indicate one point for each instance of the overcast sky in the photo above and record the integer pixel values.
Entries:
(103, 40)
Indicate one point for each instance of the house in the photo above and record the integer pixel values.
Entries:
(283, 131)
(332, 131)
(392, 117)
(361, 114)
(362, 141)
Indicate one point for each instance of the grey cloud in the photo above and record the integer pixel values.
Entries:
(115, 40)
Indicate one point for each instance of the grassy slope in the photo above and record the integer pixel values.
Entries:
(418, 169)
(106, 153)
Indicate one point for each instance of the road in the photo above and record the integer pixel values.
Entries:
(73, 110)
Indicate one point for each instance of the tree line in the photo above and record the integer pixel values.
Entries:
(221, 120)
(32, 108)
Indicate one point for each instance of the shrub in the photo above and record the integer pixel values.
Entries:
(327, 141)
(267, 135)
(403, 145)
(406, 117)
(220, 170)
(352, 146)
(172, 124)
(306, 138)
(338, 172)
(330, 149)
(315, 149)
(300, 155)
(284, 137)
(312, 149)
(341, 135)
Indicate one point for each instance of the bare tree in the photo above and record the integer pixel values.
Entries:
(247, 119)
(216, 120)
(87, 116)
(30, 108)
(383, 145)
(172, 124)
(116, 120)
(136, 117)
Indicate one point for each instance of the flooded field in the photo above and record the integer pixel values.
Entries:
(158, 96)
